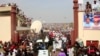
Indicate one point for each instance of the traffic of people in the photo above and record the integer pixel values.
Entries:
(55, 41)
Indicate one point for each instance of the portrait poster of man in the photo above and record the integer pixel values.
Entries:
(88, 21)
(91, 21)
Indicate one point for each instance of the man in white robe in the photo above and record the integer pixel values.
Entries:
(70, 51)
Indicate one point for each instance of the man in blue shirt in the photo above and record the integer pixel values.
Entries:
(87, 23)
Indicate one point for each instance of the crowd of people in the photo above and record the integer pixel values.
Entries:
(28, 45)
(62, 43)
(58, 44)
(25, 21)
(9, 4)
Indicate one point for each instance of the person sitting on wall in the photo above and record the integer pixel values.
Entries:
(88, 7)
(87, 22)
(95, 6)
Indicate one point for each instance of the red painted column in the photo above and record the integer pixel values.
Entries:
(72, 37)
(13, 23)
(75, 10)
(16, 37)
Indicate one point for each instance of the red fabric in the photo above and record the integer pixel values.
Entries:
(12, 47)
(91, 51)
(51, 34)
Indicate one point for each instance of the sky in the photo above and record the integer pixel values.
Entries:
(48, 11)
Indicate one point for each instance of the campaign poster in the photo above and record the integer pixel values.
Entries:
(92, 19)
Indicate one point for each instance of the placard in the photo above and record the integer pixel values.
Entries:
(43, 53)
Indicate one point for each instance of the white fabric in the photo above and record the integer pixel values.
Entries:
(1, 54)
(9, 54)
(70, 51)
(56, 38)
(46, 39)
(97, 53)
(59, 44)
(40, 40)
(57, 34)
(96, 25)
(64, 39)
(14, 52)
(95, 6)
(85, 55)
(54, 46)
(31, 45)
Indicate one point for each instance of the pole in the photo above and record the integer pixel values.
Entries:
(75, 10)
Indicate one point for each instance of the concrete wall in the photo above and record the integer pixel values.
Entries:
(86, 34)
(7, 8)
(5, 28)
